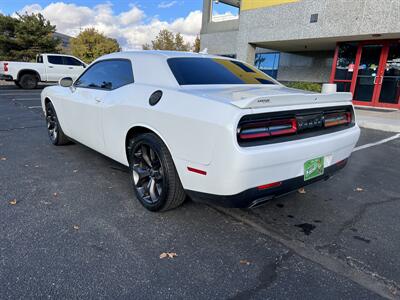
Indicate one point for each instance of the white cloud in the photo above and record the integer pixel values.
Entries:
(217, 17)
(132, 28)
(166, 4)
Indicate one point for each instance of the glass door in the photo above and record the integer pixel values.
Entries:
(368, 77)
(389, 94)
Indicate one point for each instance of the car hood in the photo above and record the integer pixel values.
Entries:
(259, 96)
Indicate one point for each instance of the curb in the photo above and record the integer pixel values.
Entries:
(378, 126)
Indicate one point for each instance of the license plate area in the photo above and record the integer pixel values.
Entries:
(313, 168)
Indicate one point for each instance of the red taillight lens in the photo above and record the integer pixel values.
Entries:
(269, 185)
(336, 119)
(267, 129)
(5, 67)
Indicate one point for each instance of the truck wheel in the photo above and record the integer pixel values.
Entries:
(28, 81)
(17, 83)
(154, 178)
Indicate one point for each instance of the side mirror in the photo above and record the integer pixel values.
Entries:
(84, 66)
(66, 82)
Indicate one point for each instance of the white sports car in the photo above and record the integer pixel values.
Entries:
(213, 128)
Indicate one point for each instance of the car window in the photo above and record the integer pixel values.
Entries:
(39, 59)
(107, 74)
(55, 60)
(70, 61)
(198, 70)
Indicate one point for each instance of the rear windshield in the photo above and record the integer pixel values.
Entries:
(198, 70)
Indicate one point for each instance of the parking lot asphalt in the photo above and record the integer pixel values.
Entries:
(70, 227)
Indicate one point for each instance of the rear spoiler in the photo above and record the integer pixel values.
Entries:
(291, 99)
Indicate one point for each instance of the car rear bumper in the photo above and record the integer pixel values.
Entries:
(254, 196)
(234, 169)
(6, 77)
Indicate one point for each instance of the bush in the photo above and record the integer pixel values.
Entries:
(307, 86)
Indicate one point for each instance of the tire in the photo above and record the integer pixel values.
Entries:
(56, 135)
(17, 83)
(28, 81)
(154, 177)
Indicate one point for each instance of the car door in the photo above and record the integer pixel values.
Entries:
(74, 67)
(55, 68)
(89, 96)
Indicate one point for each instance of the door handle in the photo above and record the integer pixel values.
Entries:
(70, 67)
(51, 67)
(97, 99)
(375, 79)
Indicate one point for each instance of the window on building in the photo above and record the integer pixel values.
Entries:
(268, 63)
(346, 60)
(224, 10)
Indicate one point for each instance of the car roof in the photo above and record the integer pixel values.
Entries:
(159, 53)
(150, 66)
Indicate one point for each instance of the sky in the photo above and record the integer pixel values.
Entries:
(133, 23)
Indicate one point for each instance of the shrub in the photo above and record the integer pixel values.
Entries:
(307, 86)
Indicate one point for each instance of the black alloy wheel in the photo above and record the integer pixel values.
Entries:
(56, 135)
(154, 177)
(148, 173)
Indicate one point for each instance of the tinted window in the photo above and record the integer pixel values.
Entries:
(55, 60)
(70, 61)
(108, 74)
(196, 70)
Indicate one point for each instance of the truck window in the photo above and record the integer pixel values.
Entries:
(55, 60)
(70, 61)
(39, 59)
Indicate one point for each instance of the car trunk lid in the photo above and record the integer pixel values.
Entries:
(264, 96)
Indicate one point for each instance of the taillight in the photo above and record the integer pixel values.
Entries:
(335, 119)
(267, 129)
(269, 185)
(276, 127)
(5, 67)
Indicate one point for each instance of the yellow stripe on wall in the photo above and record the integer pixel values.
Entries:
(254, 4)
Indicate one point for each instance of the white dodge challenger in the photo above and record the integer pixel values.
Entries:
(213, 128)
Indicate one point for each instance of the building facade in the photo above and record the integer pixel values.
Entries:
(353, 43)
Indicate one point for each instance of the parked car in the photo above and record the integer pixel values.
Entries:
(214, 128)
(48, 68)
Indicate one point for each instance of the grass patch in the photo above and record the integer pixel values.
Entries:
(307, 86)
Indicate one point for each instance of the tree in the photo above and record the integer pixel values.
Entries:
(196, 45)
(166, 40)
(7, 36)
(91, 44)
(24, 37)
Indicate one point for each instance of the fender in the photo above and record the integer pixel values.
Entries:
(150, 128)
(28, 71)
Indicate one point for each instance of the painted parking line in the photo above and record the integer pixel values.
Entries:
(396, 136)
(18, 94)
(25, 99)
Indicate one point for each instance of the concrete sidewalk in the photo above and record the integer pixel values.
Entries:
(384, 120)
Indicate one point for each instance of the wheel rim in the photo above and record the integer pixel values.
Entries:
(148, 174)
(52, 124)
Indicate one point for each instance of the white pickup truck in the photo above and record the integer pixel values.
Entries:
(48, 68)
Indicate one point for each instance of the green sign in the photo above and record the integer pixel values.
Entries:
(313, 168)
